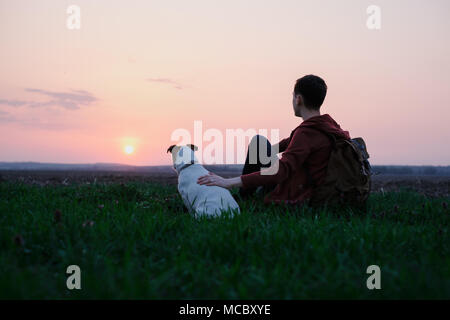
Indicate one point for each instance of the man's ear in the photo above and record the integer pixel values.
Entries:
(298, 100)
(170, 148)
(193, 147)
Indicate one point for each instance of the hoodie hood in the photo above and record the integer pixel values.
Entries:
(326, 123)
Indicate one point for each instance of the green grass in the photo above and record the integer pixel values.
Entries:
(147, 246)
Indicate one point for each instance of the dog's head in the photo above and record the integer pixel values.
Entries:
(182, 155)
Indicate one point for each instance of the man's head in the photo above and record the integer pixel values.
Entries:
(309, 93)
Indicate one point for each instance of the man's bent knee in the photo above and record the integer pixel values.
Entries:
(259, 151)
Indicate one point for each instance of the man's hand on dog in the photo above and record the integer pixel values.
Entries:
(213, 179)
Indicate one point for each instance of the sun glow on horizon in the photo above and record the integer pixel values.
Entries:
(128, 149)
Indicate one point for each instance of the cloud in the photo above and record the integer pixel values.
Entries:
(33, 122)
(13, 103)
(6, 117)
(70, 100)
(175, 84)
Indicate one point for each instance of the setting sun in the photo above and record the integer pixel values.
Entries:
(129, 149)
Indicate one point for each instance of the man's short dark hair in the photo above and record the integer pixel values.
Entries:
(313, 90)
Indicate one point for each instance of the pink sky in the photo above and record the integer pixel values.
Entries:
(138, 70)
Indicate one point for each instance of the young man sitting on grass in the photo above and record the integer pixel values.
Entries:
(305, 153)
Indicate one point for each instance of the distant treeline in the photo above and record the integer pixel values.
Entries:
(396, 170)
(413, 170)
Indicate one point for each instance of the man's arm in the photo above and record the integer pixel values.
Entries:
(273, 172)
(291, 160)
(213, 179)
(282, 145)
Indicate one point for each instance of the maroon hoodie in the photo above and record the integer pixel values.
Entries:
(305, 148)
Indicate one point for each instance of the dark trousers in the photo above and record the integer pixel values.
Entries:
(254, 163)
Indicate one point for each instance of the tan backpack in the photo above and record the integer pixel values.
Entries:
(348, 178)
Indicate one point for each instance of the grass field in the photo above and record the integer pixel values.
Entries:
(135, 240)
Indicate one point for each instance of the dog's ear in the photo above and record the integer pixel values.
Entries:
(171, 147)
(193, 147)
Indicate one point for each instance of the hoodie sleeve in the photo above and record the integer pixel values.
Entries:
(283, 144)
(291, 160)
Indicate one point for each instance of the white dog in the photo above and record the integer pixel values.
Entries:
(199, 199)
